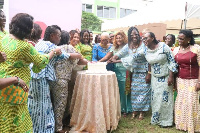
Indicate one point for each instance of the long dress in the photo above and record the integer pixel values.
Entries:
(187, 108)
(99, 52)
(120, 71)
(39, 99)
(63, 69)
(140, 90)
(161, 60)
(14, 114)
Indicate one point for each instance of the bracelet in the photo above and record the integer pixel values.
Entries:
(18, 82)
(149, 72)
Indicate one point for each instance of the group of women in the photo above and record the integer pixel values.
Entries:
(37, 77)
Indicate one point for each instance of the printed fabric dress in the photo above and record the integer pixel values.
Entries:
(187, 107)
(140, 90)
(120, 71)
(85, 50)
(63, 70)
(14, 114)
(162, 102)
(99, 52)
(39, 99)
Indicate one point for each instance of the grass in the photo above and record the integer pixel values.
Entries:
(127, 125)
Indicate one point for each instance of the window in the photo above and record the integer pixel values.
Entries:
(125, 12)
(106, 12)
(100, 11)
(87, 8)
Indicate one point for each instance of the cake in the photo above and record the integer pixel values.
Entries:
(97, 67)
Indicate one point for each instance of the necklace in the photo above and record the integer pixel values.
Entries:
(190, 59)
(185, 48)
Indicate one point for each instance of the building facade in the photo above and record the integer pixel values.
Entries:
(107, 9)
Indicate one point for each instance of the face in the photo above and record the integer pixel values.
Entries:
(91, 37)
(55, 37)
(183, 40)
(104, 40)
(135, 36)
(147, 39)
(2, 20)
(111, 38)
(75, 39)
(119, 40)
(168, 40)
(85, 37)
(99, 39)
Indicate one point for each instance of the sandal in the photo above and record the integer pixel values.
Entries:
(134, 115)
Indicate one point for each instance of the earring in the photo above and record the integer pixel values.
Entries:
(188, 42)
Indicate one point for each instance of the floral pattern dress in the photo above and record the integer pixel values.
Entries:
(13, 100)
(161, 60)
(63, 69)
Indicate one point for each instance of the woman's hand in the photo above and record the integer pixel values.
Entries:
(2, 57)
(197, 87)
(22, 84)
(148, 78)
(58, 51)
(75, 56)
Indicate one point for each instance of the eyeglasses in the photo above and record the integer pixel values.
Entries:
(111, 36)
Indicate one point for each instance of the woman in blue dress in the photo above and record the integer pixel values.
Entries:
(39, 100)
(140, 90)
(100, 50)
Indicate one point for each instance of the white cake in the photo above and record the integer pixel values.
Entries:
(97, 67)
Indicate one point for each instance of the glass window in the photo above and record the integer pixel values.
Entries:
(112, 12)
(122, 12)
(83, 7)
(88, 8)
(128, 11)
(106, 12)
(100, 11)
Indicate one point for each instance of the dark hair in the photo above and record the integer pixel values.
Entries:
(21, 25)
(64, 38)
(152, 35)
(173, 37)
(72, 34)
(49, 30)
(129, 34)
(96, 38)
(81, 36)
(36, 33)
(189, 34)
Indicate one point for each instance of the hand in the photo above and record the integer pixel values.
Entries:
(2, 57)
(197, 87)
(22, 84)
(58, 51)
(75, 56)
(170, 80)
(148, 78)
(115, 57)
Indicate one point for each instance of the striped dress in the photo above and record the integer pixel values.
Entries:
(140, 91)
(39, 99)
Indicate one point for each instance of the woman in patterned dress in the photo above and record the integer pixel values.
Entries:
(14, 116)
(163, 66)
(100, 50)
(140, 90)
(187, 107)
(120, 40)
(39, 99)
(84, 47)
(63, 70)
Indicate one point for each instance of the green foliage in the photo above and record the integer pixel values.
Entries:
(90, 21)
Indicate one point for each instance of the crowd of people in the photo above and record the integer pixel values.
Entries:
(37, 76)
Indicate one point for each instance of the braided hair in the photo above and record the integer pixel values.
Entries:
(129, 34)
(49, 30)
(64, 38)
(152, 35)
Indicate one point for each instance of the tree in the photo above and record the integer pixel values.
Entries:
(90, 21)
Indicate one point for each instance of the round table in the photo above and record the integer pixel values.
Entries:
(95, 105)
